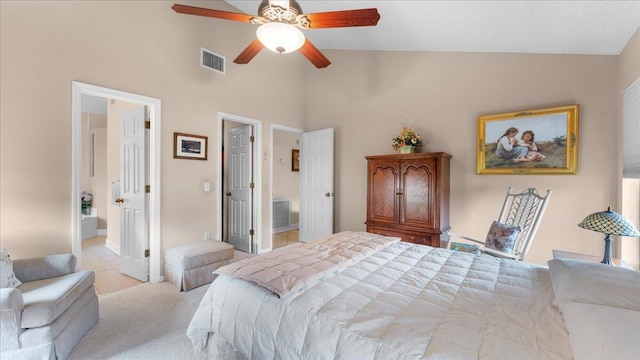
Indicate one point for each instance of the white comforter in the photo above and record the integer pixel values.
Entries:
(302, 265)
(404, 302)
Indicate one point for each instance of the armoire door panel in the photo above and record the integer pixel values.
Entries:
(382, 196)
(418, 187)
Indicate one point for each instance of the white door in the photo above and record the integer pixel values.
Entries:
(133, 208)
(240, 202)
(316, 184)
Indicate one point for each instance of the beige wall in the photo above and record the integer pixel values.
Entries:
(145, 48)
(366, 96)
(141, 47)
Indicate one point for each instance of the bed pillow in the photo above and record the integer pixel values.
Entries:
(595, 283)
(502, 237)
(7, 277)
(601, 332)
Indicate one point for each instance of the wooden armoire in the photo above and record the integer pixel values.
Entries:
(408, 196)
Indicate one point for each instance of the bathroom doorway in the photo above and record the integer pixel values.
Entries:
(101, 211)
(285, 185)
(96, 157)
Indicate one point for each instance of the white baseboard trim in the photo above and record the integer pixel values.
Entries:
(102, 232)
(265, 250)
(285, 228)
(112, 247)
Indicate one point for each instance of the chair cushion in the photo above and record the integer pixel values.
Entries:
(502, 237)
(197, 254)
(45, 300)
(7, 277)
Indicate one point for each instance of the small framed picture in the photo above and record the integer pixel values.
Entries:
(188, 146)
(295, 160)
(529, 142)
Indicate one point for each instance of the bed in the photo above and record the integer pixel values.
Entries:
(355, 295)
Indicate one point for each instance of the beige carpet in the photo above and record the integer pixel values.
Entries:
(144, 322)
(147, 321)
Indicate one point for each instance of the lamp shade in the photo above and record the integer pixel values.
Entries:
(279, 37)
(609, 222)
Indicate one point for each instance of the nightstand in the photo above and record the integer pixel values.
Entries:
(561, 254)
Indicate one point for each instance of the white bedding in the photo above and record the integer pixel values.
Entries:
(404, 302)
(302, 265)
(600, 305)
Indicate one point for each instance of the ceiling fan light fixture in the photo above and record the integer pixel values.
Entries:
(280, 38)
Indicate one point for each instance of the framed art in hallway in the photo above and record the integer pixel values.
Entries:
(188, 146)
(295, 160)
(528, 142)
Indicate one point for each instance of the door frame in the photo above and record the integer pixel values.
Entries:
(257, 176)
(273, 128)
(155, 245)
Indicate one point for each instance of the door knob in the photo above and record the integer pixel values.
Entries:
(327, 194)
(119, 200)
(228, 194)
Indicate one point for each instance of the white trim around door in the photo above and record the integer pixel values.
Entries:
(155, 243)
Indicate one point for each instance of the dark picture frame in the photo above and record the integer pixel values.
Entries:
(189, 146)
(295, 160)
(553, 151)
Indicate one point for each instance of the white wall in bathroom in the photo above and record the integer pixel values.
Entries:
(93, 177)
(286, 183)
(101, 193)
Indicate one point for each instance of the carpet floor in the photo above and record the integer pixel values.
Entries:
(147, 321)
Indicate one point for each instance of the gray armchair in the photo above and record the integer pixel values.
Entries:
(50, 312)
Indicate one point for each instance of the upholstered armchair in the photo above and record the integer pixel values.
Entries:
(50, 311)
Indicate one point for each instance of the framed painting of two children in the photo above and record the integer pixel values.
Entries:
(529, 142)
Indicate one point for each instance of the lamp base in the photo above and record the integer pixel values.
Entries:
(607, 251)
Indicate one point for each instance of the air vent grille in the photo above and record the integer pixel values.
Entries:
(212, 61)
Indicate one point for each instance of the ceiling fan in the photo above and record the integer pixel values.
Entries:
(280, 23)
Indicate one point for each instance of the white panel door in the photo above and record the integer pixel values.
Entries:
(240, 195)
(133, 209)
(316, 184)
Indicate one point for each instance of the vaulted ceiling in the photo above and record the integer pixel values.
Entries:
(543, 26)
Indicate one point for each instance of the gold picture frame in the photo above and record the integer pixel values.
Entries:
(189, 146)
(553, 151)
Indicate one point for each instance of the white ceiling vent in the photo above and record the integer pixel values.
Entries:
(212, 61)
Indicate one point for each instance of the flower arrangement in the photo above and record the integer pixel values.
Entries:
(86, 198)
(407, 137)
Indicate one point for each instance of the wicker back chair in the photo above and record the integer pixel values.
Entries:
(524, 210)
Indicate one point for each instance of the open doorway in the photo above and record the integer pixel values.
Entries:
(100, 173)
(89, 141)
(285, 185)
(239, 196)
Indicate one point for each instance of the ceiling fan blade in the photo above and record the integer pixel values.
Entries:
(249, 52)
(314, 55)
(345, 18)
(219, 14)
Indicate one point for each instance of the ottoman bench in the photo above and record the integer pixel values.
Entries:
(191, 265)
